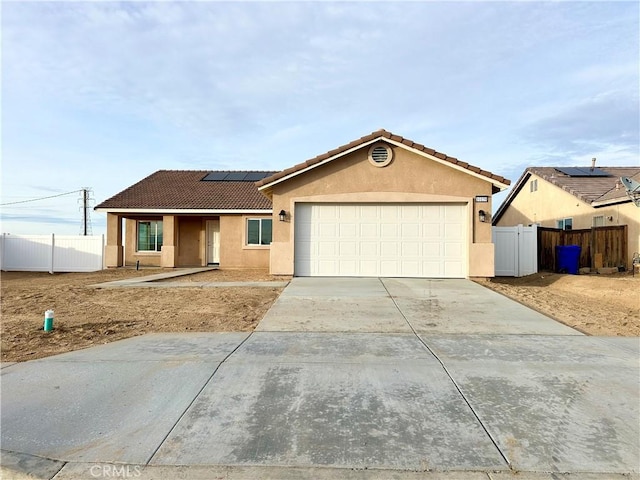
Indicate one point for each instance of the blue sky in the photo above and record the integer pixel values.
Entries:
(102, 94)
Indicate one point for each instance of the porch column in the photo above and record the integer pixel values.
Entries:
(169, 235)
(113, 251)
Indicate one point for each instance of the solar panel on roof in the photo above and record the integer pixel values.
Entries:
(215, 176)
(255, 176)
(583, 172)
(236, 177)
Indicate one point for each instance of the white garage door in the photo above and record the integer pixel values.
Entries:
(381, 240)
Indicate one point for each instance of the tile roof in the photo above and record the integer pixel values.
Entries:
(373, 136)
(592, 190)
(589, 189)
(183, 189)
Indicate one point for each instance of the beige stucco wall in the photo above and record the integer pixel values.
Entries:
(550, 203)
(113, 250)
(234, 251)
(185, 243)
(409, 178)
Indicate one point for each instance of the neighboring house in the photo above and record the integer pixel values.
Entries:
(381, 205)
(573, 198)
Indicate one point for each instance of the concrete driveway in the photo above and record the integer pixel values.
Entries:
(374, 379)
(402, 305)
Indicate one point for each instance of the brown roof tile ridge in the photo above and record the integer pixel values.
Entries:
(553, 180)
(618, 185)
(377, 134)
(445, 157)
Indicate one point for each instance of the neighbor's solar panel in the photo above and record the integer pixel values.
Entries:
(583, 172)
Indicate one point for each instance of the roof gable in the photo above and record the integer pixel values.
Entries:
(499, 182)
(188, 190)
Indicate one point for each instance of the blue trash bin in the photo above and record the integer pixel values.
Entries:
(568, 259)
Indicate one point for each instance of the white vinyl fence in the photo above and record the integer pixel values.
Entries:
(516, 251)
(51, 253)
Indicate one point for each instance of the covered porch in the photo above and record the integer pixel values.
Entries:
(185, 240)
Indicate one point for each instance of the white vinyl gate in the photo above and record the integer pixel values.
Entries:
(516, 251)
(51, 253)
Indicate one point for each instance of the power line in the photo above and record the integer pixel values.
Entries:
(41, 198)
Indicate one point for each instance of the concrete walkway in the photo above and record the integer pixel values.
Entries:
(329, 404)
(149, 281)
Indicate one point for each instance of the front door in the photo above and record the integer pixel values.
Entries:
(213, 242)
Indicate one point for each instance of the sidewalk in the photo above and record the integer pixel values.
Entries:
(149, 281)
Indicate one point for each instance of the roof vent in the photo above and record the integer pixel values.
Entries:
(380, 154)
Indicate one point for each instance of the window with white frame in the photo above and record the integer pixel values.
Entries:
(598, 221)
(259, 231)
(565, 223)
(149, 236)
(534, 185)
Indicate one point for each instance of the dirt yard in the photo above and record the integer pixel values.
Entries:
(86, 316)
(606, 305)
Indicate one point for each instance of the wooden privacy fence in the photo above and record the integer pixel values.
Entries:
(610, 242)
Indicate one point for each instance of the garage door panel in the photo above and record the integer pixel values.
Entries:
(327, 230)
(327, 249)
(388, 212)
(453, 269)
(389, 249)
(453, 231)
(452, 250)
(349, 212)
(368, 268)
(430, 249)
(410, 212)
(369, 230)
(389, 230)
(410, 230)
(329, 212)
(411, 268)
(370, 212)
(432, 230)
(347, 248)
(348, 230)
(431, 269)
(454, 215)
(389, 268)
(369, 249)
(411, 249)
(426, 240)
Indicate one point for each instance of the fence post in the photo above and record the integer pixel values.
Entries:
(53, 247)
(3, 247)
(102, 253)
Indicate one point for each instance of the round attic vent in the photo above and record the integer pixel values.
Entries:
(380, 154)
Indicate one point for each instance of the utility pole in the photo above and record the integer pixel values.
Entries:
(85, 206)
(86, 218)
